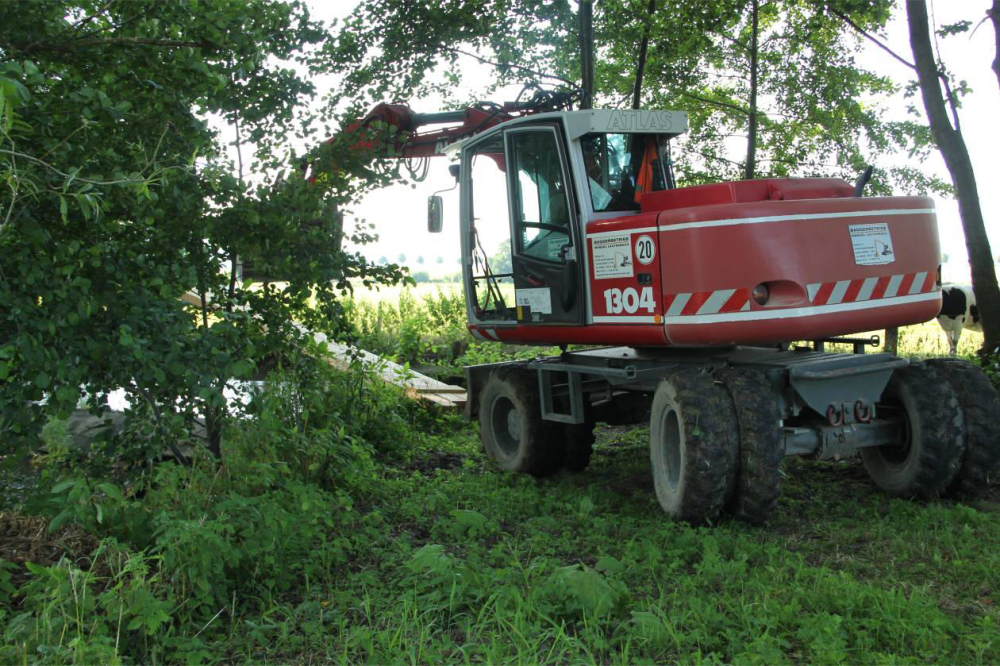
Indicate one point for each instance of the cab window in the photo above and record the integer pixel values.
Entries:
(621, 168)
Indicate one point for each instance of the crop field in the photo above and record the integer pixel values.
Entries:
(380, 533)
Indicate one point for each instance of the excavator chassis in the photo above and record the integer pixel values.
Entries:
(738, 411)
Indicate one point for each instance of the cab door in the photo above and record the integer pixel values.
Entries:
(545, 238)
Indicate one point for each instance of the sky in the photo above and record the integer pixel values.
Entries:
(399, 212)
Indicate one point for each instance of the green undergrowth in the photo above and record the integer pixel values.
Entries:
(384, 536)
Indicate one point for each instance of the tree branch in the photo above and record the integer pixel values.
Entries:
(944, 79)
(994, 15)
(725, 105)
(104, 8)
(104, 183)
(75, 45)
(508, 66)
(874, 40)
(643, 48)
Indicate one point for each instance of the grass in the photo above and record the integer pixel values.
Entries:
(473, 565)
(346, 526)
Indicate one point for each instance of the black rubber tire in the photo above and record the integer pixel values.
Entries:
(511, 428)
(693, 443)
(579, 445)
(981, 408)
(927, 461)
(761, 445)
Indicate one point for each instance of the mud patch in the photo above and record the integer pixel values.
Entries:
(27, 539)
(433, 461)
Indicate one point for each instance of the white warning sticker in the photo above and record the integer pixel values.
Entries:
(539, 300)
(872, 244)
(612, 256)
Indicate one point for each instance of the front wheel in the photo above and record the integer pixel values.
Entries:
(693, 445)
(511, 428)
(930, 449)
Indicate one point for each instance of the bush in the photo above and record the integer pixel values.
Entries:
(183, 544)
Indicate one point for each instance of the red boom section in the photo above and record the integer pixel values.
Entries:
(408, 143)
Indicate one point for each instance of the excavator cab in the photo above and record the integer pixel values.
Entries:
(520, 227)
(529, 189)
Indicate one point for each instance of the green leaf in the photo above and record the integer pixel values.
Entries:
(42, 380)
(4, 370)
(63, 485)
(67, 394)
(112, 491)
(59, 520)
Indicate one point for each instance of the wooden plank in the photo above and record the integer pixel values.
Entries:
(416, 385)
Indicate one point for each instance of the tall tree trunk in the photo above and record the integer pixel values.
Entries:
(956, 156)
(587, 52)
(892, 340)
(751, 165)
(643, 48)
(994, 14)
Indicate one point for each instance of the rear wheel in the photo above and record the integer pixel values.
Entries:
(511, 428)
(930, 450)
(693, 446)
(761, 447)
(981, 408)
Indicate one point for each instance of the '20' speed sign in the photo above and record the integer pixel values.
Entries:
(645, 250)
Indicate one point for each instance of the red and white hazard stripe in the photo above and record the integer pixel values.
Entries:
(865, 289)
(707, 302)
(485, 334)
(724, 305)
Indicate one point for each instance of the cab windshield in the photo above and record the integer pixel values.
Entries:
(621, 168)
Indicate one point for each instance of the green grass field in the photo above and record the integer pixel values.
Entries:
(476, 566)
(380, 533)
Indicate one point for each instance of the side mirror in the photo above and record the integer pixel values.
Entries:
(454, 170)
(435, 214)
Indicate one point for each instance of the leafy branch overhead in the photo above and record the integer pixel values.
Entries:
(118, 197)
(817, 106)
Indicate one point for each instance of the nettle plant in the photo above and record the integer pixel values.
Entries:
(118, 199)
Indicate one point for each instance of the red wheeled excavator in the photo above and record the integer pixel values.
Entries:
(688, 300)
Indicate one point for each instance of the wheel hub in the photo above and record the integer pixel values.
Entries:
(505, 423)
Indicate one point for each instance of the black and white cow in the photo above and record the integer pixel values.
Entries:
(958, 312)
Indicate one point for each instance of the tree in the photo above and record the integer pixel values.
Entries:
(439, 260)
(947, 134)
(816, 108)
(383, 260)
(120, 199)
(994, 15)
(784, 74)
(401, 258)
(420, 260)
(500, 262)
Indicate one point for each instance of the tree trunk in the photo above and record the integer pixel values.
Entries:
(956, 156)
(751, 165)
(643, 48)
(994, 14)
(587, 53)
(892, 340)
